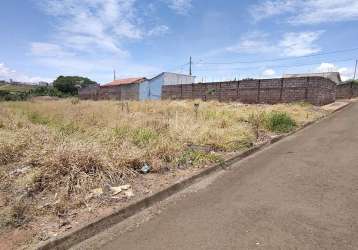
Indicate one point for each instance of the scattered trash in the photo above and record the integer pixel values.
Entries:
(129, 193)
(126, 187)
(20, 171)
(113, 191)
(145, 169)
(116, 190)
(97, 191)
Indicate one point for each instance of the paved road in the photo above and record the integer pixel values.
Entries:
(301, 193)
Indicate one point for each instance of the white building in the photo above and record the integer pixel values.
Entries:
(152, 89)
(333, 76)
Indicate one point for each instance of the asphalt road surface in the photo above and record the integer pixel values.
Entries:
(301, 193)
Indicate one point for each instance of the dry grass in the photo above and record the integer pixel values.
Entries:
(69, 148)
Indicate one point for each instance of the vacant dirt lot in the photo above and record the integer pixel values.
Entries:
(61, 161)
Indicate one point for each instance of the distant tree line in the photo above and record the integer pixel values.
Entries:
(63, 86)
(352, 81)
(12, 96)
(69, 85)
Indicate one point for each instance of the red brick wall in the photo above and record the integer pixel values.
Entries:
(89, 92)
(316, 90)
(122, 92)
(347, 91)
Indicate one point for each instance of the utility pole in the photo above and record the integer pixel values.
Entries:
(190, 63)
(355, 70)
(114, 75)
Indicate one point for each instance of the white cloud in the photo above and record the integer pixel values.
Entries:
(267, 9)
(90, 36)
(103, 25)
(48, 49)
(89, 24)
(6, 74)
(269, 73)
(307, 11)
(300, 44)
(320, 11)
(159, 30)
(326, 67)
(290, 44)
(253, 42)
(180, 6)
(346, 73)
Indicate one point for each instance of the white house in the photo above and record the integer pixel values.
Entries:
(152, 89)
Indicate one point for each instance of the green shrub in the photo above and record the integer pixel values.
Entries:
(46, 91)
(279, 122)
(13, 96)
(142, 136)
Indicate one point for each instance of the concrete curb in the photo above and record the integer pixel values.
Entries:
(91, 229)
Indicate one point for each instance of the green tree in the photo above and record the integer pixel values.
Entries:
(69, 84)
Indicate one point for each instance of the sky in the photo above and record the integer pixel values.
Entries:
(42, 39)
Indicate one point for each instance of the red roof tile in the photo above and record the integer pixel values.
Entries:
(125, 81)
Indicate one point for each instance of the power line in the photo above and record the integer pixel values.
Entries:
(275, 66)
(280, 59)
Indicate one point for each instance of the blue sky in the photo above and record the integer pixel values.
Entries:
(42, 39)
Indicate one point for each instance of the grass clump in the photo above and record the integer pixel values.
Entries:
(37, 118)
(197, 158)
(143, 136)
(68, 129)
(11, 147)
(280, 122)
(256, 120)
(121, 132)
